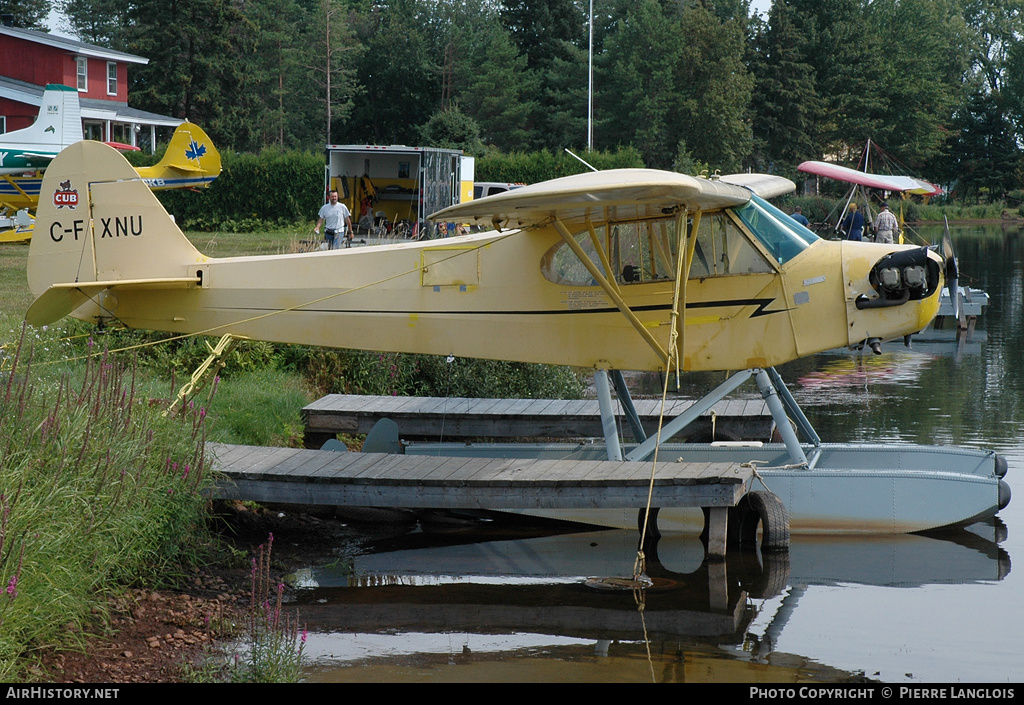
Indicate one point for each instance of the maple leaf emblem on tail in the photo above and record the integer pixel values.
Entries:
(195, 150)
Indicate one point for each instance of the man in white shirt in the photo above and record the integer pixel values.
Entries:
(337, 220)
(886, 225)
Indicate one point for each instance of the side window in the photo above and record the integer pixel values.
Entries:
(637, 252)
(82, 72)
(723, 249)
(645, 251)
(561, 266)
(111, 78)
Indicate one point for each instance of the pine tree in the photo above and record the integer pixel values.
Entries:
(785, 101)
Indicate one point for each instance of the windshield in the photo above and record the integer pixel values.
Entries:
(783, 237)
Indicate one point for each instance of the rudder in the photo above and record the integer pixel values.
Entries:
(59, 123)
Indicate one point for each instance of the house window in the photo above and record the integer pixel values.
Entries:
(82, 68)
(111, 78)
(3, 124)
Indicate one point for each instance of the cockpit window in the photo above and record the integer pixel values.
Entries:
(722, 249)
(636, 251)
(644, 251)
(783, 237)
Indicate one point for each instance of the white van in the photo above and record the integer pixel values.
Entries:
(482, 189)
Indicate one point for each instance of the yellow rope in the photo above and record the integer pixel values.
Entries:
(676, 341)
(217, 354)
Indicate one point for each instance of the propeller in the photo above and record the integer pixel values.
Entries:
(951, 273)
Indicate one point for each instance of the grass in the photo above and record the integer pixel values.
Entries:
(98, 491)
(15, 297)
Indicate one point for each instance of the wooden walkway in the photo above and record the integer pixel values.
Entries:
(453, 418)
(301, 476)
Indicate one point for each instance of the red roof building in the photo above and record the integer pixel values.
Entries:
(30, 59)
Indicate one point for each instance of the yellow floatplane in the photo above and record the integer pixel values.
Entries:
(629, 269)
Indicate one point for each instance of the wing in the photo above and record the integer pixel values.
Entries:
(863, 178)
(764, 185)
(601, 195)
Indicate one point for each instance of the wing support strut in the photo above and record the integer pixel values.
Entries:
(611, 290)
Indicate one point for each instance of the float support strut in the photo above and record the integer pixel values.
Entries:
(771, 397)
(604, 402)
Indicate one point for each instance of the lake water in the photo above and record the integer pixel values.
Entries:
(493, 603)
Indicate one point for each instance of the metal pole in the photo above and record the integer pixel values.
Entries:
(590, 83)
(771, 396)
(644, 450)
(604, 402)
(622, 391)
(793, 408)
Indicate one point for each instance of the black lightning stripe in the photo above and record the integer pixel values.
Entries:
(761, 305)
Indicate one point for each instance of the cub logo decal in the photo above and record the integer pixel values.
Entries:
(65, 196)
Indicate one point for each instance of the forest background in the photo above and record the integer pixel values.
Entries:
(687, 84)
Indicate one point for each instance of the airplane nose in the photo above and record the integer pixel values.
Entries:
(902, 276)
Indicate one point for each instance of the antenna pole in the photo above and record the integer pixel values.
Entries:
(590, 85)
(589, 166)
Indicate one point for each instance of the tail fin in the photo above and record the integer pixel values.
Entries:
(191, 160)
(59, 123)
(99, 227)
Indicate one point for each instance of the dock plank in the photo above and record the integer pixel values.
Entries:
(460, 417)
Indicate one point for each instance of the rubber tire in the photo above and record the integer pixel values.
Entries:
(768, 511)
(774, 520)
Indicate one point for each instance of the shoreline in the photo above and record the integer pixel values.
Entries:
(164, 635)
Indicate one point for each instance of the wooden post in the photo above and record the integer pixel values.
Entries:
(718, 525)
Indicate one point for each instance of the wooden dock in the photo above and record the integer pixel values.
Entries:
(302, 476)
(455, 418)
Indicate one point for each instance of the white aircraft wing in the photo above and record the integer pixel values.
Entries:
(601, 195)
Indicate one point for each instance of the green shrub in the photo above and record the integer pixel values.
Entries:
(357, 372)
(254, 192)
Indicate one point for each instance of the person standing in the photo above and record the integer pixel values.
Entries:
(886, 225)
(853, 224)
(337, 221)
(799, 217)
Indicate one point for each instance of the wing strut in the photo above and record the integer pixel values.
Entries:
(611, 290)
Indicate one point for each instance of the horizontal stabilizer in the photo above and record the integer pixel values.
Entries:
(61, 299)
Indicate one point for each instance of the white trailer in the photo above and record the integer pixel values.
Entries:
(392, 189)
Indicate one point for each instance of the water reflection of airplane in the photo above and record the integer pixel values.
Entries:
(628, 269)
(190, 161)
(859, 371)
(541, 583)
(958, 557)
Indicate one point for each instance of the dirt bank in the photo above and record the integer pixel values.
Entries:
(153, 635)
